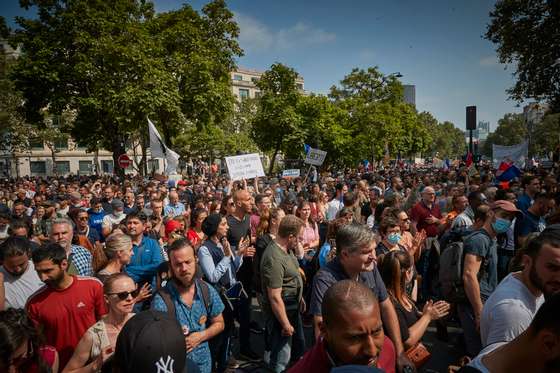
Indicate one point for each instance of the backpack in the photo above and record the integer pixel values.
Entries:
(170, 305)
(451, 263)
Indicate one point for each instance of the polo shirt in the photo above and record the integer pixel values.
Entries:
(332, 273)
(193, 319)
(420, 212)
(65, 315)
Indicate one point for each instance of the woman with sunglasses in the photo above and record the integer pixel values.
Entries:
(98, 343)
(21, 350)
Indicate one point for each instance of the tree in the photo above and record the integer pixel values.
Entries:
(547, 134)
(527, 35)
(379, 121)
(276, 126)
(511, 130)
(115, 63)
(447, 141)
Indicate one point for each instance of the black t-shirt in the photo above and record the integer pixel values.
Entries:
(239, 229)
(406, 318)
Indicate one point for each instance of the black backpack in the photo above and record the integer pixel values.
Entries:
(205, 292)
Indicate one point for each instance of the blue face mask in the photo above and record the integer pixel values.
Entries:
(501, 225)
(394, 238)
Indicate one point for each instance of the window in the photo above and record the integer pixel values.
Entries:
(299, 86)
(254, 79)
(36, 144)
(84, 167)
(81, 145)
(257, 94)
(237, 77)
(107, 166)
(61, 144)
(243, 93)
(62, 167)
(38, 168)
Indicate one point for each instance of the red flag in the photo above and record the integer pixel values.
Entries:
(469, 159)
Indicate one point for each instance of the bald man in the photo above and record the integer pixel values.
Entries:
(174, 207)
(351, 332)
(426, 214)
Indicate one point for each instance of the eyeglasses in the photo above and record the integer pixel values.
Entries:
(123, 295)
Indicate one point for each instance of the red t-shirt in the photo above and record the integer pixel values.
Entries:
(420, 212)
(317, 361)
(65, 315)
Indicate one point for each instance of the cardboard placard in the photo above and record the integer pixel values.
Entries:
(244, 166)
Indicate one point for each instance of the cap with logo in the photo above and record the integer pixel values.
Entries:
(151, 341)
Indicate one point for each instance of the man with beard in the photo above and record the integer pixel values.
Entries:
(283, 289)
(18, 279)
(147, 252)
(195, 304)
(67, 305)
(535, 350)
(351, 332)
(512, 306)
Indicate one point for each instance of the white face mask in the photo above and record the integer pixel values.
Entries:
(118, 214)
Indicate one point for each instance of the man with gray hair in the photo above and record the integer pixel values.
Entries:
(355, 260)
(79, 258)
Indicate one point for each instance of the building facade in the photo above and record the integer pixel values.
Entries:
(243, 83)
(410, 94)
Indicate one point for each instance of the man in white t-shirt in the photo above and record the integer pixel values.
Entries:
(18, 278)
(512, 306)
(536, 350)
(114, 218)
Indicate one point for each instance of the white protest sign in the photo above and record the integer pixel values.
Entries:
(244, 166)
(315, 157)
(515, 153)
(294, 172)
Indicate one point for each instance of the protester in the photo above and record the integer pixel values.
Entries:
(336, 204)
(66, 302)
(351, 332)
(283, 295)
(18, 278)
(114, 218)
(21, 350)
(98, 343)
(79, 258)
(532, 219)
(531, 185)
(195, 304)
(511, 307)
(480, 271)
(147, 255)
(85, 236)
(195, 234)
(117, 255)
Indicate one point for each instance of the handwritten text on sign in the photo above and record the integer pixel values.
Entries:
(315, 157)
(293, 172)
(244, 166)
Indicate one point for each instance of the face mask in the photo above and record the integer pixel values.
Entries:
(118, 214)
(394, 238)
(501, 225)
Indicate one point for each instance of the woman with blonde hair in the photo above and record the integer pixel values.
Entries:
(115, 256)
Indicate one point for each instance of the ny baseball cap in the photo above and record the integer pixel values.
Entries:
(151, 342)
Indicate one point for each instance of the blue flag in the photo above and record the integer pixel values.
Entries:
(306, 148)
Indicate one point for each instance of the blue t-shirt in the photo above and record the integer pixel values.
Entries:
(193, 319)
(527, 223)
(524, 202)
(479, 243)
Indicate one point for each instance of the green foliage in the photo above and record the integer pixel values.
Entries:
(116, 62)
(528, 36)
(511, 130)
(446, 140)
(547, 134)
(276, 125)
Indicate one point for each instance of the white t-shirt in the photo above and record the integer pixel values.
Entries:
(508, 311)
(110, 220)
(19, 289)
(333, 207)
(477, 361)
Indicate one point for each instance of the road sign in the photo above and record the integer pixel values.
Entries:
(124, 161)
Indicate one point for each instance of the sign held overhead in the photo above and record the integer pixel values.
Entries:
(315, 157)
(244, 166)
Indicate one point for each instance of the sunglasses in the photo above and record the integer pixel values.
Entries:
(123, 295)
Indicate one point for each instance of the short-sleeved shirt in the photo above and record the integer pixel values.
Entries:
(406, 318)
(479, 243)
(524, 202)
(508, 312)
(280, 270)
(81, 258)
(420, 213)
(174, 210)
(193, 319)
(332, 273)
(65, 315)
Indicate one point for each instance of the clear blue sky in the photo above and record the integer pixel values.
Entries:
(436, 45)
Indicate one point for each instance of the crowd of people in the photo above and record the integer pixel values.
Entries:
(348, 270)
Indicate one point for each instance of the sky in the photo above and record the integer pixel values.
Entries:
(436, 45)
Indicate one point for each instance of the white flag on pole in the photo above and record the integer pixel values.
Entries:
(159, 150)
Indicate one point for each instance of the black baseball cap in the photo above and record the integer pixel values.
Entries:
(150, 342)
